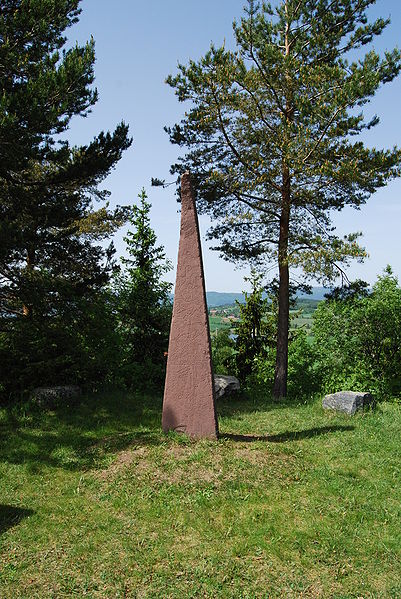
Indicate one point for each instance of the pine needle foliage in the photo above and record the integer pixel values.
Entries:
(271, 137)
(52, 264)
(144, 304)
(255, 332)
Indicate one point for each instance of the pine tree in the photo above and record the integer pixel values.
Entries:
(270, 133)
(47, 221)
(144, 304)
(51, 259)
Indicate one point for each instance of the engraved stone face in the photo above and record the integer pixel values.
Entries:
(189, 400)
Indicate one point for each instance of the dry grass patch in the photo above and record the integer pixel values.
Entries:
(196, 463)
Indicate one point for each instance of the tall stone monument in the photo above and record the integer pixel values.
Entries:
(189, 400)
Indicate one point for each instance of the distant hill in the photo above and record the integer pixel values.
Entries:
(317, 293)
(215, 298)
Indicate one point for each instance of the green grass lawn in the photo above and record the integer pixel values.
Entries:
(290, 502)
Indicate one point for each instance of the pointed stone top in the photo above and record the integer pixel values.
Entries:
(187, 195)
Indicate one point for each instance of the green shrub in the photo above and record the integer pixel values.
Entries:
(223, 353)
(303, 372)
(357, 340)
(77, 345)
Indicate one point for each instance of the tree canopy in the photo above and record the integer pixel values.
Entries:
(271, 132)
(48, 222)
(358, 338)
(51, 258)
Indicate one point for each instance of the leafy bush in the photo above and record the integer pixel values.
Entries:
(303, 375)
(303, 372)
(223, 353)
(358, 340)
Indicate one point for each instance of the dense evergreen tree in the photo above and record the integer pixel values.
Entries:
(256, 329)
(47, 220)
(144, 304)
(270, 133)
(51, 261)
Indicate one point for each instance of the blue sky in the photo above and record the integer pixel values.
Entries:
(137, 45)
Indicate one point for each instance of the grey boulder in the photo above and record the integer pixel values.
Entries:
(225, 385)
(54, 396)
(347, 401)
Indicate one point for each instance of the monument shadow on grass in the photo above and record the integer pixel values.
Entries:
(288, 435)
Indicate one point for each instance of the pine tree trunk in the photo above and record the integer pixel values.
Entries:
(281, 371)
(27, 309)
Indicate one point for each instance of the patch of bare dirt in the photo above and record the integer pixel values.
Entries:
(183, 464)
(123, 460)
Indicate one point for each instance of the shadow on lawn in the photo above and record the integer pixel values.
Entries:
(79, 438)
(288, 435)
(11, 516)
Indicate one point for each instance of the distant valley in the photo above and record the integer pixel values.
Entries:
(216, 298)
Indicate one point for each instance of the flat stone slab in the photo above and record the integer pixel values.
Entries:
(347, 401)
(225, 385)
(52, 396)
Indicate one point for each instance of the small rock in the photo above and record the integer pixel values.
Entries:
(347, 401)
(225, 385)
(52, 396)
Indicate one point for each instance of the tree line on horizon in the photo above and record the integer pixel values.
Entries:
(270, 137)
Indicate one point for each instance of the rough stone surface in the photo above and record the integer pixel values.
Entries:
(50, 396)
(189, 401)
(347, 401)
(225, 385)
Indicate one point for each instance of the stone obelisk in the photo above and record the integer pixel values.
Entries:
(189, 401)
